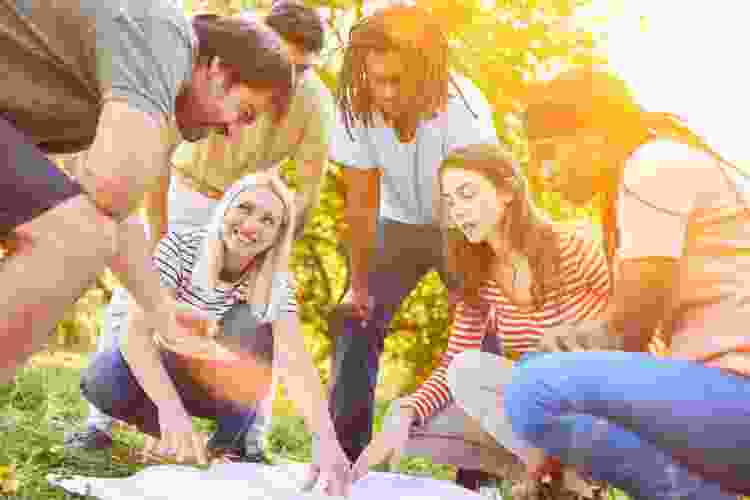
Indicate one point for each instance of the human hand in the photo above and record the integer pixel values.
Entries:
(584, 336)
(388, 445)
(359, 303)
(194, 320)
(334, 468)
(179, 440)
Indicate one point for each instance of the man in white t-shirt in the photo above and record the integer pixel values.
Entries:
(396, 126)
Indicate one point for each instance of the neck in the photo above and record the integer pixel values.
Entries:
(235, 267)
(499, 245)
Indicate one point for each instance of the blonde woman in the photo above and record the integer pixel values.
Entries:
(220, 372)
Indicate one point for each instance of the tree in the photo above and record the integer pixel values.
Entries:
(503, 45)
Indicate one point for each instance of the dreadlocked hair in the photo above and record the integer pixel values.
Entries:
(413, 33)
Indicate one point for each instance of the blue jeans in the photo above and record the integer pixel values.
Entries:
(113, 391)
(655, 428)
(109, 384)
(404, 253)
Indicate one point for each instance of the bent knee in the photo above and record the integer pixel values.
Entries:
(74, 226)
(464, 368)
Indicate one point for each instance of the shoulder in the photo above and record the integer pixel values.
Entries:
(668, 174)
(312, 90)
(472, 96)
(313, 99)
(188, 240)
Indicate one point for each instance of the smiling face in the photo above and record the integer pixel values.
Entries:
(251, 226)
(217, 102)
(473, 203)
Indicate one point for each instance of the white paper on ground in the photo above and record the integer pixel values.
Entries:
(253, 481)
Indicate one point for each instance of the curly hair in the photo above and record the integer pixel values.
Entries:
(529, 231)
(419, 39)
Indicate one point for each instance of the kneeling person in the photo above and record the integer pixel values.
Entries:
(221, 366)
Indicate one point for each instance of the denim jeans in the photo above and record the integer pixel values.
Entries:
(113, 392)
(404, 253)
(653, 427)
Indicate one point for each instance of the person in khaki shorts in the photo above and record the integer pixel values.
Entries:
(126, 80)
(202, 171)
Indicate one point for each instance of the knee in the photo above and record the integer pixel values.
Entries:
(102, 231)
(463, 369)
(392, 415)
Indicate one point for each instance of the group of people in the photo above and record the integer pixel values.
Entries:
(192, 117)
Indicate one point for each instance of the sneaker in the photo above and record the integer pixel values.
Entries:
(89, 438)
(248, 454)
(238, 455)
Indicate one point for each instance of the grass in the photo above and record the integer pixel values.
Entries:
(45, 402)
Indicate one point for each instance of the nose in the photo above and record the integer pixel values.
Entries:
(248, 227)
(233, 129)
(388, 91)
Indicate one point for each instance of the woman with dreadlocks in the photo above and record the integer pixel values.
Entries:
(402, 112)
(677, 219)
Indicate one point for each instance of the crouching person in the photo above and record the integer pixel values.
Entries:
(220, 366)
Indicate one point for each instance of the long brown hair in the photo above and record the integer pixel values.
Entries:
(530, 232)
(413, 33)
(587, 98)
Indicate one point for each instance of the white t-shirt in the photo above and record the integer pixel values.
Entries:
(409, 171)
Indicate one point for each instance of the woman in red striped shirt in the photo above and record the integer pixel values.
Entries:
(523, 275)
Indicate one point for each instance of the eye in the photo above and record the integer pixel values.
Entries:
(467, 191)
(269, 221)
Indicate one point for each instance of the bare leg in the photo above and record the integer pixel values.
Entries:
(59, 256)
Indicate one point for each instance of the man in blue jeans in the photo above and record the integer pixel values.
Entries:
(398, 125)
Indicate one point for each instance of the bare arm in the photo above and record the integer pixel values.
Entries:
(296, 367)
(156, 208)
(142, 354)
(126, 160)
(361, 214)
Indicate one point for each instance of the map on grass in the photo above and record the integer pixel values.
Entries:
(241, 481)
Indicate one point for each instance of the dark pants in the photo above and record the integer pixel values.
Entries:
(404, 253)
(30, 184)
(109, 384)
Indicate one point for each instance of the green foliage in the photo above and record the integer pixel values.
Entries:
(503, 46)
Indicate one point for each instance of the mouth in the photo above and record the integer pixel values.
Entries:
(244, 240)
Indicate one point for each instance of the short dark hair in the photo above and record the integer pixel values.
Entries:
(253, 54)
(297, 24)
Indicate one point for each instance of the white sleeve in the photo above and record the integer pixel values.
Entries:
(350, 148)
(469, 126)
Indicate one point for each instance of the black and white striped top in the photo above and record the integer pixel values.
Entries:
(175, 258)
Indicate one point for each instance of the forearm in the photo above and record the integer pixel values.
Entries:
(156, 209)
(360, 236)
(302, 380)
(642, 300)
(142, 355)
(133, 266)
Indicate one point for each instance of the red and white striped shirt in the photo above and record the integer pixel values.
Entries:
(586, 281)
